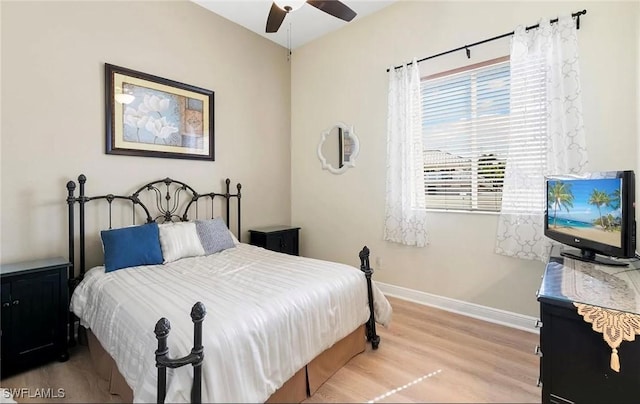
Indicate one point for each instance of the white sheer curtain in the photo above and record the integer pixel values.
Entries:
(552, 52)
(405, 215)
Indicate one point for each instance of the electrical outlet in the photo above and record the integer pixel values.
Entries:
(378, 263)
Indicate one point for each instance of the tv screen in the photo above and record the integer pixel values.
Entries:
(594, 213)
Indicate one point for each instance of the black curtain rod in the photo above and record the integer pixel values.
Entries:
(466, 47)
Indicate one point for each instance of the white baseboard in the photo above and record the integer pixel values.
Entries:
(502, 317)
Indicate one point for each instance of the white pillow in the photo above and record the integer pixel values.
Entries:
(179, 240)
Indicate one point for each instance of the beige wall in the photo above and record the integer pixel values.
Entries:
(342, 77)
(53, 123)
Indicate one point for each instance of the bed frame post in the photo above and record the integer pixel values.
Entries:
(162, 332)
(71, 187)
(195, 358)
(371, 324)
(227, 195)
(82, 180)
(197, 316)
(238, 186)
(73, 280)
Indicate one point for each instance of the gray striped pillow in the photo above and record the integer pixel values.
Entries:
(214, 235)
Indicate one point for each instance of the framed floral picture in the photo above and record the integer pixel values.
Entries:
(155, 117)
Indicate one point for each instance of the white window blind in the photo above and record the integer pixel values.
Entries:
(468, 123)
(528, 136)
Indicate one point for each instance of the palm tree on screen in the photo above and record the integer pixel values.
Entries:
(600, 199)
(560, 196)
(615, 199)
(616, 202)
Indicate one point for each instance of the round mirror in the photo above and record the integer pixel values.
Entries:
(338, 148)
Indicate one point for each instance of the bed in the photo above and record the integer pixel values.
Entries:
(277, 326)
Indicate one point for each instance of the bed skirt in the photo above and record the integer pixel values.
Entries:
(297, 389)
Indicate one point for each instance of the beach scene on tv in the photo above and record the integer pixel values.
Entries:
(588, 209)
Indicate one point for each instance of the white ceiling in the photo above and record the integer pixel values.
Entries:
(302, 25)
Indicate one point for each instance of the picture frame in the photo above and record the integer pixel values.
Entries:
(151, 116)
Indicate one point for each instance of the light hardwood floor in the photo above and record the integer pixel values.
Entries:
(426, 355)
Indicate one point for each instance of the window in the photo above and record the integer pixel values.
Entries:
(467, 121)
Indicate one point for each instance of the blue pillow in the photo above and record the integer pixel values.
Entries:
(214, 235)
(131, 246)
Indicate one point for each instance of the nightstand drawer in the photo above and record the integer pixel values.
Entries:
(282, 239)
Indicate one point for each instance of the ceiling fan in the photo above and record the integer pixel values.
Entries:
(280, 8)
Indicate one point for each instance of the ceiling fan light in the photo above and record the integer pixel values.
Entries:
(292, 5)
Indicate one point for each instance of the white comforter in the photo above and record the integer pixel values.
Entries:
(268, 314)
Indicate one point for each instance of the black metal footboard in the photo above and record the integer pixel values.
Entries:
(195, 358)
(371, 323)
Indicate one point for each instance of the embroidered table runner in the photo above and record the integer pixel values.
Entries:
(615, 326)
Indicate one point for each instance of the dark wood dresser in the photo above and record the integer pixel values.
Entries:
(576, 361)
(282, 239)
(35, 304)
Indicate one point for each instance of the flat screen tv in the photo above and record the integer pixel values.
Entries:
(594, 213)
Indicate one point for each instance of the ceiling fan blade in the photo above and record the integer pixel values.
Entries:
(276, 16)
(335, 8)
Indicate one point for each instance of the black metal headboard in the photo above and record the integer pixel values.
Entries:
(165, 194)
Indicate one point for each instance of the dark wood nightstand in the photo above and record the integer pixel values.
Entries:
(282, 239)
(575, 360)
(35, 307)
